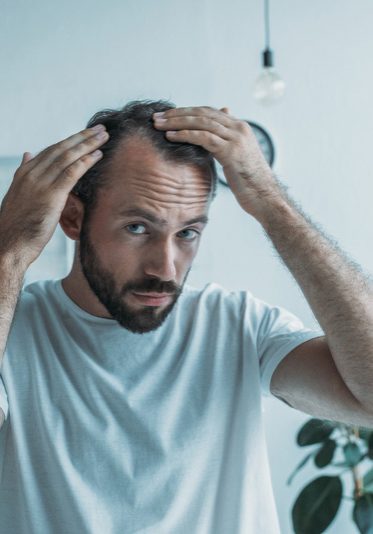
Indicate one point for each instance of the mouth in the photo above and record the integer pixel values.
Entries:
(152, 299)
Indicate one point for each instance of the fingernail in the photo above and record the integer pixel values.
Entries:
(159, 114)
(98, 127)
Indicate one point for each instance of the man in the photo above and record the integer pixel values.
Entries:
(131, 399)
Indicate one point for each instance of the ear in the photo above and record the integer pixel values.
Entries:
(72, 217)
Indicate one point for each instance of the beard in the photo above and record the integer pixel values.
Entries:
(102, 283)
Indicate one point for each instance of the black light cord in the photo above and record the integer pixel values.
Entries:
(266, 23)
(267, 53)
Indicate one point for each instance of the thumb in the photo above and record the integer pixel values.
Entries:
(27, 156)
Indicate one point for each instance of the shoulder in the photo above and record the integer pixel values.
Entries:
(34, 295)
(215, 299)
(38, 289)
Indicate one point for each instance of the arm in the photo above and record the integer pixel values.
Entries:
(11, 279)
(308, 380)
(31, 209)
(341, 297)
(339, 294)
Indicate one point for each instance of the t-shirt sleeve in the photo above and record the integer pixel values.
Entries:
(3, 398)
(278, 333)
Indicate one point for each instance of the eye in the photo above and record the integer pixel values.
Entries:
(193, 234)
(130, 227)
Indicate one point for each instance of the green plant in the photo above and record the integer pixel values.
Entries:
(318, 503)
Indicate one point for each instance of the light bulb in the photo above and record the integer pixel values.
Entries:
(269, 86)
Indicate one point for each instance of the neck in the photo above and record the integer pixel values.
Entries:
(78, 290)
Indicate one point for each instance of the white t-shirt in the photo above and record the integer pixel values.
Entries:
(111, 432)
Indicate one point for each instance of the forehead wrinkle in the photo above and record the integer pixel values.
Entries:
(166, 204)
(161, 202)
(160, 193)
(168, 183)
(169, 204)
(183, 171)
(164, 173)
(190, 208)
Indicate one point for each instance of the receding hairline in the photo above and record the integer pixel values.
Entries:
(125, 143)
(129, 126)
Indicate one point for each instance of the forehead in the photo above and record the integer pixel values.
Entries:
(141, 177)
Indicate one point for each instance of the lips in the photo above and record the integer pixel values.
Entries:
(152, 299)
(153, 295)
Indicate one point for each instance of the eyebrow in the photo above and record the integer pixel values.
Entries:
(154, 219)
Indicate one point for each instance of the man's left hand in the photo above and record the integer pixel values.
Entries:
(232, 142)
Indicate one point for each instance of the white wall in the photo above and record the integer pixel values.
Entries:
(61, 62)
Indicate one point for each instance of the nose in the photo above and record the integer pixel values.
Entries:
(160, 260)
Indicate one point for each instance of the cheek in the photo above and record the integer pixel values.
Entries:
(117, 257)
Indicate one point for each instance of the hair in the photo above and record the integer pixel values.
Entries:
(135, 118)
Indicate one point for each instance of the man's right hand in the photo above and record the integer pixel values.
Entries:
(32, 207)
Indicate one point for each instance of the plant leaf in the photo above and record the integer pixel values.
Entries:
(317, 505)
(352, 454)
(363, 513)
(315, 431)
(368, 481)
(299, 466)
(340, 464)
(370, 446)
(365, 433)
(325, 454)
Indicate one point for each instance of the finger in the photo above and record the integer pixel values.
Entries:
(211, 142)
(69, 176)
(198, 111)
(80, 143)
(27, 156)
(59, 156)
(195, 123)
(225, 110)
(74, 154)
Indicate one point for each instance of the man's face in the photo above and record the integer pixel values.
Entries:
(143, 235)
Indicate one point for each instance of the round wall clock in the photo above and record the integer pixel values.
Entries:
(265, 143)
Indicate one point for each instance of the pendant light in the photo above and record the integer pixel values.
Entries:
(269, 87)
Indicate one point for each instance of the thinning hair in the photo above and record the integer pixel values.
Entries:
(135, 119)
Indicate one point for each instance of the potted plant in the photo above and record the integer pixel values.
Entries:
(319, 501)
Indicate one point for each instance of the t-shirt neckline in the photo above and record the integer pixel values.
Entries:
(72, 306)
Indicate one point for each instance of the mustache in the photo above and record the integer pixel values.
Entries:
(152, 285)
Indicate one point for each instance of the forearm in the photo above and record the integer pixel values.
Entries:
(11, 279)
(338, 292)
